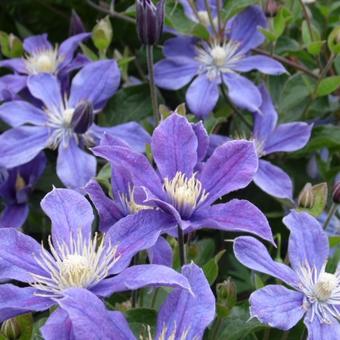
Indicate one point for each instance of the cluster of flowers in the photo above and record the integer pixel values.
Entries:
(174, 194)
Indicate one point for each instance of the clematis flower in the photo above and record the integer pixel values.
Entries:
(65, 123)
(183, 187)
(79, 267)
(316, 292)
(15, 188)
(215, 63)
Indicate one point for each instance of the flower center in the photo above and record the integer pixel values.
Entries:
(67, 117)
(325, 286)
(185, 193)
(219, 55)
(42, 62)
(80, 263)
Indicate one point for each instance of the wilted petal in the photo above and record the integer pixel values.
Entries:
(58, 326)
(180, 47)
(37, 43)
(308, 242)
(273, 180)
(161, 253)
(16, 113)
(14, 216)
(96, 322)
(15, 301)
(96, 82)
(242, 92)
(70, 214)
(174, 73)
(144, 275)
(202, 96)
(75, 167)
(12, 153)
(174, 146)
(322, 331)
(236, 215)
(260, 63)
(254, 255)
(231, 167)
(277, 306)
(288, 137)
(184, 313)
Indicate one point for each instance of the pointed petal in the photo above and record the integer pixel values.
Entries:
(13, 154)
(273, 180)
(144, 275)
(14, 216)
(161, 253)
(188, 314)
(254, 255)
(96, 82)
(16, 113)
(288, 137)
(277, 306)
(202, 96)
(308, 242)
(322, 331)
(68, 219)
(174, 147)
(180, 47)
(235, 215)
(260, 63)
(11, 85)
(10, 272)
(75, 167)
(231, 167)
(242, 92)
(174, 73)
(202, 138)
(58, 326)
(37, 43)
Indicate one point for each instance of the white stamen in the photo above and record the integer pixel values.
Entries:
(130, 204)
(219, 55)
(80, 263)
(44, 61)
(173, 336)
(322, 291)
(186, 194)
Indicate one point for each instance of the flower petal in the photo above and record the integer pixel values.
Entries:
(14, 216)
(174, 73)
(35, 139)
(15, 64)
(180, 47)
(202, 96)
(308, 242)
(37, 43)
(10, 272)
(322, 331)
(231, 167)
(260, 63)
(10, 85)
(174, 147)
(144, 275)
(87, 312)
(58, 326)
(244, 28)
(254, 255)
(96, 82)
(242, 92)
(16, 113)
(273, 180)
(202, 138)
(161, 253)
(75, 167)
(277, 306)
(68, 220)
(235, 215)
(184, 313)
(288, 137)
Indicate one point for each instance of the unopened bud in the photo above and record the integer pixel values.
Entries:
(306, 197)
(82, 117)
(227, 293)
(102, 34)
(150, 20)
(76, 24)
(11, 329)
(336, 193)
(272, 8)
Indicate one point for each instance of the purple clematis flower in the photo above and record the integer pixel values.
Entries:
(218, 62)
(316, 293)
(79, 268)
(15, 188)
(269, 138)
(66, 124)
(184, 187)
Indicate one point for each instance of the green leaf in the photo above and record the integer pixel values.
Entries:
(334, 241)
(315, 47)
(280, 21)
(333, 40)
(231, 8)
(146, 316)
(211, 267)
(25, 322)
(328, 85)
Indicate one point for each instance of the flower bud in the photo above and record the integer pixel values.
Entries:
(76, 24)
(82, 117)
(102, 34)
(272, 8)
(336, 193)
(11, 329)
(227, 293)
(306, 197)
(149, 21)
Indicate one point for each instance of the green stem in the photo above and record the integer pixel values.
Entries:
(153, 92)
(181, 246)
(154, 298)
(211, 20)
(331, 212)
